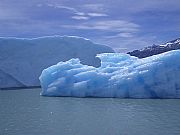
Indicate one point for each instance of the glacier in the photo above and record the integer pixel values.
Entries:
(23, 59)
(120, 75)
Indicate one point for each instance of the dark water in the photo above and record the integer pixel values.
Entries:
(24, 112)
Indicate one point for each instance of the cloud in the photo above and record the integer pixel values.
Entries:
(80, 17)
(83, 16)
(121, 35)
(108, 25)
(80, 13)
(120, 49)
(63, 7)
(73, 10)
(120, 44)
(112, 30)
(97, 14)
(98, 7)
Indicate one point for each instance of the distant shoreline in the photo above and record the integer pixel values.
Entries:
(17, 88)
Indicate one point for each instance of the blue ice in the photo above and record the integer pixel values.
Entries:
(120, 75)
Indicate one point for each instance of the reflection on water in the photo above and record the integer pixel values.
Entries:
(24, 112)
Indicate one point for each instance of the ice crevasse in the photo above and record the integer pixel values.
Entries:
(120, 75)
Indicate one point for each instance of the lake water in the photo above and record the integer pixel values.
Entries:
(24, 112)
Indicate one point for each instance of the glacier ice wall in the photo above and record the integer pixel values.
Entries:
(22, 60)
(120, 75)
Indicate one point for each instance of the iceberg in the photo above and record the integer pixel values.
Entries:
(120, 75)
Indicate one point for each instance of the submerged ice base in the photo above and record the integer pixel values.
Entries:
(120, 75)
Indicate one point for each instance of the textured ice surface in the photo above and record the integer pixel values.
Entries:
(120, 75)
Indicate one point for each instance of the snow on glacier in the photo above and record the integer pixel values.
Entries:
(120, 75)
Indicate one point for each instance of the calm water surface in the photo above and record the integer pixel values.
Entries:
(24, 112)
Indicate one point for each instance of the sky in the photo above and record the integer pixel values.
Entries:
(124, 25)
